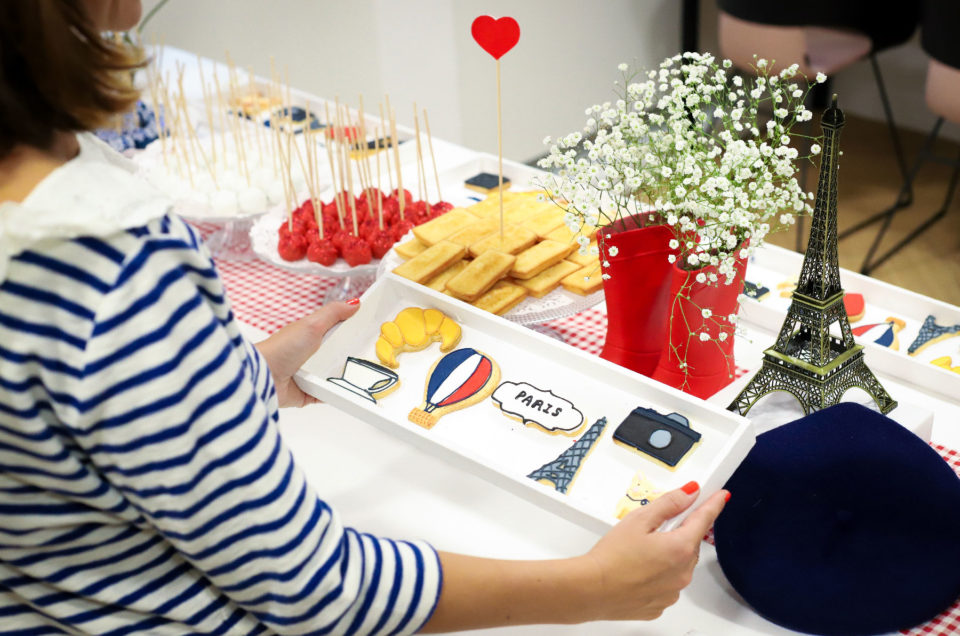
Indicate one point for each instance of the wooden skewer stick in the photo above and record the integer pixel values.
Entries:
(257, 125)
(353, 198)
(284, 166)
(433, 157)
(270, 95)
(313, 160)
(236, 122)
(338, 134)
(222, 108)
(173, 121)
(187, 132)
(420, 176)
(192, 133)
(208, 107)
(153, 81)
(379, 132)
(360, 148)
(364, 150)
(500, 150)
(328, 140)
(401, 196)
(386, 156)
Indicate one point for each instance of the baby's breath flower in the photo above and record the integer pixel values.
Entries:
(821, 78)
(694, 141)
(704, 336)
(623, 66)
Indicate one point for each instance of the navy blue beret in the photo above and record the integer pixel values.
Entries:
(843, 522)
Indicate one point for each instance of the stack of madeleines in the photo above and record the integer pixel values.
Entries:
(463, 254)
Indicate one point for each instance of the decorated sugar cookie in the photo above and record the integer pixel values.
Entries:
(641, 492)
(485, 182)
(414, 329)
(562, 472)
(946, 362)
(755, 291)
(366, 379)
(931, 333)
(885, 334)
(457, 380)
(666, 439)
(538, 408)
(854, 305)
(786, 288)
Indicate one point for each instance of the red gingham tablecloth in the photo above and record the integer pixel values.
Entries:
(268, 298)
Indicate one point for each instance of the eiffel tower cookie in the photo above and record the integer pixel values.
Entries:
(561, 472)
(931, 333)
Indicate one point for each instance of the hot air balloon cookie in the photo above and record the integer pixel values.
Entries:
(457, 380)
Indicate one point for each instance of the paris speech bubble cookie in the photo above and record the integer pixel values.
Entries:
(414, 329)
(457, 380)
(538, 408)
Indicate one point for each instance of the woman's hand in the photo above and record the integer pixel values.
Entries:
(634, 572)
(640, 571)
(290, 347)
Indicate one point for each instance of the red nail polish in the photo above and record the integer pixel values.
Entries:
(726, 497)
(353, 301)
(690, 487)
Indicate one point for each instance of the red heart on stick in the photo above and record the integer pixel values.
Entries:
(496, 37)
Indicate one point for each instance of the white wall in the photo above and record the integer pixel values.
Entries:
(422, 50)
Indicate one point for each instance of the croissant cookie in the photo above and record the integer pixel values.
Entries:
(414, 329)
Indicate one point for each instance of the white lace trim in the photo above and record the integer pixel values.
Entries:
(97, 193)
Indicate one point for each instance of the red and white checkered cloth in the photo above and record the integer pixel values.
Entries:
(268, 298)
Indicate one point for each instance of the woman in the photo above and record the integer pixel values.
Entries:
(143, 484)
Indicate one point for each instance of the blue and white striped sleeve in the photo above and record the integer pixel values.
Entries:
(173, 410)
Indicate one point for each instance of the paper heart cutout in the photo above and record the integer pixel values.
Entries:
(496, 37)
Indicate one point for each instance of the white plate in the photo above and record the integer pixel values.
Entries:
(484, 441)
(264, 239)
(531, 311)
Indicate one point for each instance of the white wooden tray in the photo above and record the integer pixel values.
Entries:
(481, 439)
(773, 265)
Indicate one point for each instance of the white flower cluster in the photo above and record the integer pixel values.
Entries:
(687, 141)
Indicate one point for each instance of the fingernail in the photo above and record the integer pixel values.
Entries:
(726, 497)
(353, 301)
(690, 487)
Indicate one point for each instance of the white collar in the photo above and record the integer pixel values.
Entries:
(97, 193)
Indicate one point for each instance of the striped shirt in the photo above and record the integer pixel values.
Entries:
(144, 486)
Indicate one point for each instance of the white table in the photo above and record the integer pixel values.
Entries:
(374, 481)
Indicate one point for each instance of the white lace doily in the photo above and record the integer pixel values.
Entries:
(557, 304)
(264, 238)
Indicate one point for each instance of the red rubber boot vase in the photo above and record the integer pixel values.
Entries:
(637, 293)
(710, 364)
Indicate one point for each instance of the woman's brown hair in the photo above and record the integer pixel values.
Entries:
(57, 73)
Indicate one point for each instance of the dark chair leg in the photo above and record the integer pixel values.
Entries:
(894, 134)
(905, 196)
(870, 265)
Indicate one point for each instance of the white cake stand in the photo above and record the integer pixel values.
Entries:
(230, 240)
(352, 281)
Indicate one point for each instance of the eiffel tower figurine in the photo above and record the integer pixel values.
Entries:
(813, 362)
